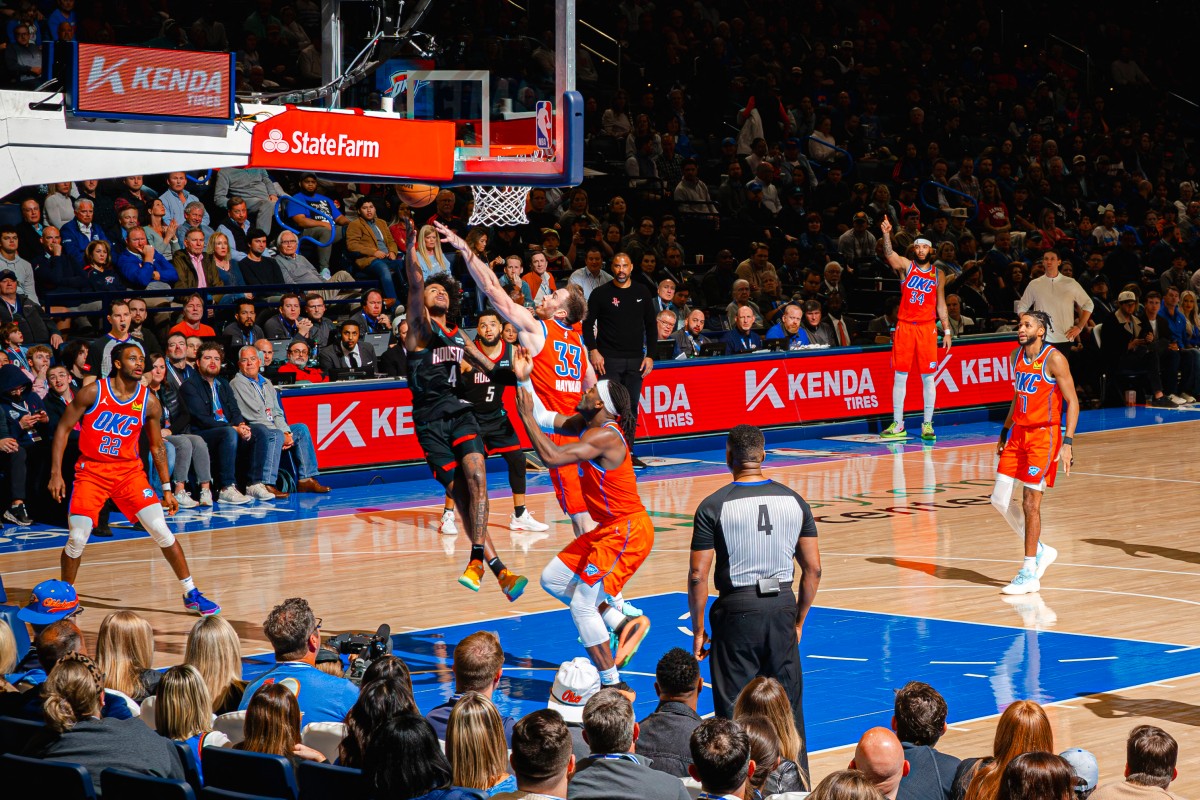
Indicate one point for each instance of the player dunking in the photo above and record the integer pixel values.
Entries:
(445, 426)
(486, 397)
(600, 562)
(922, 302)
(113, 412)
(1031, 443)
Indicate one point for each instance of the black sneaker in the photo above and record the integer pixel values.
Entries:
(638, 463)
(1158, 402)
(102, 530)
(17, 515)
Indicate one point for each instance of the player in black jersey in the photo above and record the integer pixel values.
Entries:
(444, 423)
(485, 392)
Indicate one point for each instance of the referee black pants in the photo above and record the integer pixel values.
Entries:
(628, 373)
(753, 636)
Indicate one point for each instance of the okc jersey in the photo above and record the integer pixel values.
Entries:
(918, 295)
(611, 494)
(110, 428)
(1039, 402)
(485, 395)
(433, 374)
(558, 369)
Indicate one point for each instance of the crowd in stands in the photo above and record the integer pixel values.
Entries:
(109, 710)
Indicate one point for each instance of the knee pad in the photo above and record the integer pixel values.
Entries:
(586, 615)
(1002, 493)
(556, 580)
(80, 528)
(155, 522)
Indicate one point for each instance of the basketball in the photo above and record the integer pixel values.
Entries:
(417, 195)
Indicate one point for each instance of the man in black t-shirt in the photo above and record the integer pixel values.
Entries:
(757, 530)
(99, 359)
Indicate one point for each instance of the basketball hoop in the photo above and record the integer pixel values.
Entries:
(502, 206)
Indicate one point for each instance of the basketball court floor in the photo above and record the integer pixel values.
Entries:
(913, 555)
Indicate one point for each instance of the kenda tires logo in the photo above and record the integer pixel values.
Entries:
(147, 82)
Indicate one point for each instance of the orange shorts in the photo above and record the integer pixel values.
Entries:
(1031, 455)
(97, 482)
(611, 553)
(914, 348)
(567, 486)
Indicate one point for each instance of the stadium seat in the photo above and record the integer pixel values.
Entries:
(56, 779)
(232, 725)
(256, 773)
(322, 781)
(135, 786)
(209, 793)
(15, 733)
(324, 737)
(191, 765)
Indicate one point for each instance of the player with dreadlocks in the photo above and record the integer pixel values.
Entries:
(444, 423)
(1032, 443)
(601, 561)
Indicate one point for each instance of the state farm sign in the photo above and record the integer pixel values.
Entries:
(352, 143)
(142, 82)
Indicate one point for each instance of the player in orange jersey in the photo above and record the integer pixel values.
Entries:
(922, 303)
(597, 564)
(1031, 444)
(112, 413)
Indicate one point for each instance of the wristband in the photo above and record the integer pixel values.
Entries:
(166, 487)
(1068, 439)
(1004, 434)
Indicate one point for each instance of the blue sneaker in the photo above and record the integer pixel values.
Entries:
(630, 610)
(196, 602)
(1026, 582)
(1046, 556)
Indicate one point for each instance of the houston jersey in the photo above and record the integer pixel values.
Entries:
(110, 428)
(1039, 402)
(485, 395)
(433, 374)
(558, 369)
(611, 494)
(918, 295)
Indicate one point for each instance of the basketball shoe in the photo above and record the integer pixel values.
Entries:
(512, 584)
(472, 576)
(894, 431)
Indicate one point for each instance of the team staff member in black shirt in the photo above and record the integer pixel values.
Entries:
(620, 333)
(758, 530)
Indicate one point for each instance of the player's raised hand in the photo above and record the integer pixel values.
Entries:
(885, 224)
(449, 237)
(522, 363)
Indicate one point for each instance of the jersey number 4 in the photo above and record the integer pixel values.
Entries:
(570, 360)
(110, 445)
(764, 521)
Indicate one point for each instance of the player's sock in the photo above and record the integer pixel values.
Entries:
(518, 511)
(1030, 563)
(899, 386)
(477, 552)
(929, 389)
(609, 676)
(496, 566)
(613, 618)
(447, 510)
(188, 584)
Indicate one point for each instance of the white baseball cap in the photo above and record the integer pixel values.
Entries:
(576, 681)
(1084, 765)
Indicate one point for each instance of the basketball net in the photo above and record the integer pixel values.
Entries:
(502, 206)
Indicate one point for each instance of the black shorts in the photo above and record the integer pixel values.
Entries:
(446, 441)
(499, 436)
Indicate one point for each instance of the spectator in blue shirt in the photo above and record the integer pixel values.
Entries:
(295, 634)
(64, 13)
(177, 198)
(789, 327)
(142, 266)
(742, 338)
(310, 212)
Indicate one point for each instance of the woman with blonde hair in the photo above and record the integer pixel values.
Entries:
(1023, 728)
(73, 695)
(214, 650)
(773, 774)
(221, 252)
(427, 250)
(273, 726)
(183, 710)
(8, 656)
(766, 697)
(846, 784)
(475, 746)
(124, 652)
(1190, 343)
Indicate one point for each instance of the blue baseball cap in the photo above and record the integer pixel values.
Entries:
(49, 602)
(728, 140)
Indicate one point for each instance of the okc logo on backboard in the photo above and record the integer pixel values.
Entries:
(110, 74)
(399, 81)
(543, 119)
(274, 142)
(329, 428)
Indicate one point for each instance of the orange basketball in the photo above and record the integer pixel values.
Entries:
(417, 195)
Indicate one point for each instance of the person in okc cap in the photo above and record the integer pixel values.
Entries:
(574, 684)
(49, 602)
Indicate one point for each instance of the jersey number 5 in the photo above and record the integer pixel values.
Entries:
(570, 360)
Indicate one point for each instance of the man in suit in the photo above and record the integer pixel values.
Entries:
(690, 338)
(81, 231)
(216, 418)
(348, 353)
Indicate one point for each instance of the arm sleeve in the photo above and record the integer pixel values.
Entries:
(589, 322)
(1083, 299)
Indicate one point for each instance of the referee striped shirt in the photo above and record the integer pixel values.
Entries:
(754, 528)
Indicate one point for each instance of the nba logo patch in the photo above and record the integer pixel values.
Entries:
(591, 571)
(147, 493)
(543, 122)
(1034, 470)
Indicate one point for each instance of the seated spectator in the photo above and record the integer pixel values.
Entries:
(475, 746)
(297, 364)
(880, 757)
(312, 212)
(1085, 770)
(574, 684)
(757, 266)
(143, 267)
(919, 721)
(959, 323)
(195, 218)
(592, 274)
(690, 338)
(24, 313)
(161, 232)
(260, 407)
(720, 758)
(770, 765)
(215, 418)
(254, 187)
(770, 299)
(295, 635)
(297, 269)
(288, 324)
(236, 228)
(323, 328)
(183, 711)
(214, 649)
(349, 353)
(8, 658)
(177, 198)
(477, 665)
(23, 58)
(24, 447)
(12, 343)
(243, 330)
(1127, 344)
(403, 761)
(512, 280)
(370, 316)
(14, 259)
(742, 338)
(665, 322)
(1036, 775)
(539, 280)
(846, 784)
(195, 268)
(191, 322)
(766, 697)
(190, 451)
(256, 268)
(81, 231)
(273, 725)
(790, 327)
(613, 769)
(1023, 728)
(542, 760)
(665, 734)
(125, 652)
(884, 324)
(818, 330)
(76, 732)
(378, 701)
(741, 299)
(394, 362)
(1150, 757)
(375, 252)
(100, 269)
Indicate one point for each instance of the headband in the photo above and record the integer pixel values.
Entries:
(923, 241)
(602, 390)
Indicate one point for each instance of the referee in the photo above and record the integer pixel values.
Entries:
(755, 528)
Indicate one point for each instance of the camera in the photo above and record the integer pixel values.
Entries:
(587, 233)
(363, 648)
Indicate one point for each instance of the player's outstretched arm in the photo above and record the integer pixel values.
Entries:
(419, 330)
(896, 261)
(75, 410)
(521, 317)
(158, 452)
(1061, 372)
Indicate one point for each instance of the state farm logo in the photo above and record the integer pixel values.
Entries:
(275, 142)
(339, 145)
